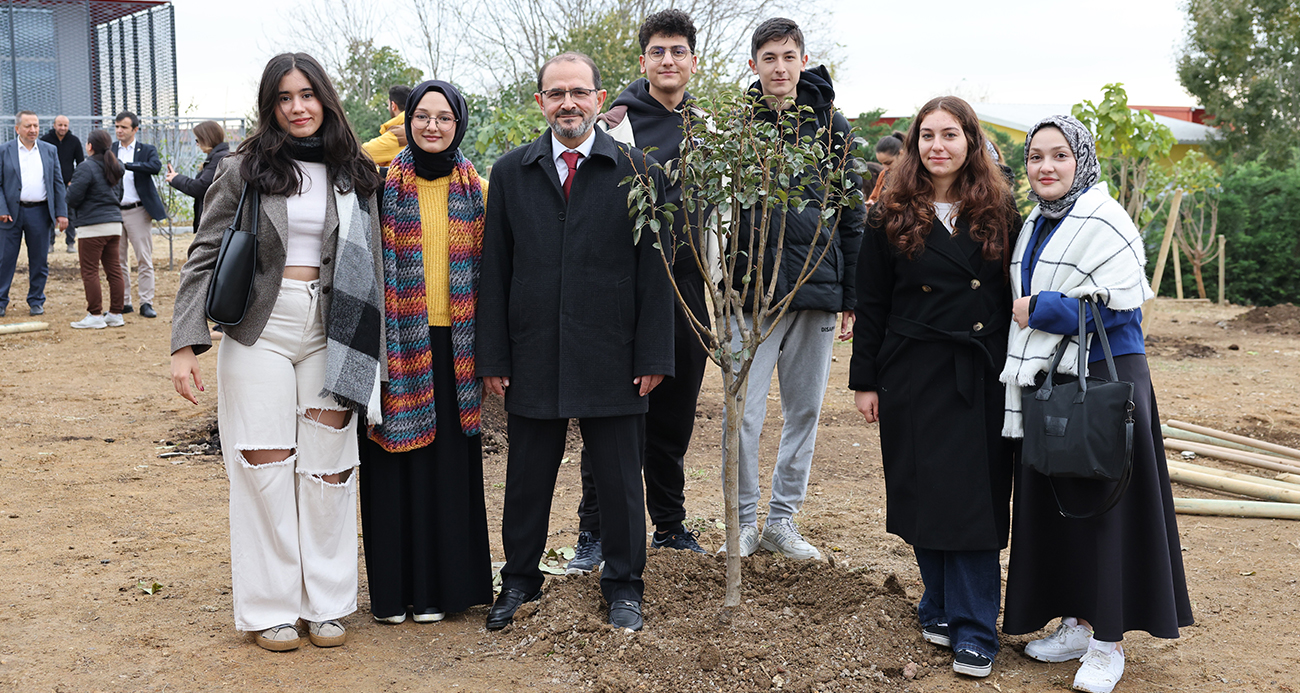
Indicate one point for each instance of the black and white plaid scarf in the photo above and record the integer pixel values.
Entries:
(356, 321)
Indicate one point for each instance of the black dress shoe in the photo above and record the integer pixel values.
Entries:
(147, 311)
(126, 308)
(503, 611)
(625, 614)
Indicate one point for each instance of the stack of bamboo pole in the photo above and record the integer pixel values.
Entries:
(1277, 497)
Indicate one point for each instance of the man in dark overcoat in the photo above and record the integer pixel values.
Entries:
(575, 320)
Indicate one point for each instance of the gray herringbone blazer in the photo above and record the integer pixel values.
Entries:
(189, 321)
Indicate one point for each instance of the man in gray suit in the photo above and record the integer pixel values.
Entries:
(31, 204)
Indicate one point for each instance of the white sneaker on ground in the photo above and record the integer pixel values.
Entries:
(391, 620)
(1099, 672)
(784, 538)
(1067, 643)
(281, 638)
(113, 319)
(326, 633)
(748, 541)
(90, 322)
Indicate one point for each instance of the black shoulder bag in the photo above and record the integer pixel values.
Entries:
(231, 286)
(1081, 429)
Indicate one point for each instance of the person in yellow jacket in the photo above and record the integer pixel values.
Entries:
(386, 146)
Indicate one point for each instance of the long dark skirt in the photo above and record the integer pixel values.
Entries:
(1121, 571)
(423, 516)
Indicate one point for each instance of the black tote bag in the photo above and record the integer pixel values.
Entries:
(1081, 429)
(231, 286)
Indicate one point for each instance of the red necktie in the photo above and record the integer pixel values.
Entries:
(570, 160)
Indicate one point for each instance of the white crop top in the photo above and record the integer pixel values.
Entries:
(307, 217)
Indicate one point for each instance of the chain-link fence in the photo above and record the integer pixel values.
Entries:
(88, 56)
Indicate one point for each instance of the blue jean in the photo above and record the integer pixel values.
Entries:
(34, 225)
(964, 590)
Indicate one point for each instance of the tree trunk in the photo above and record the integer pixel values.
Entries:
(733, 414)
(1200, 280)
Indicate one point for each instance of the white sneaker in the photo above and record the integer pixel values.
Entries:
(1100, 671)
(113, 319)
(784, 538)
(1067, 643)
(326, 633)
(748, 541)
(90, 322)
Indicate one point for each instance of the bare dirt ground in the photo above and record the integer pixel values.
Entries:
(90, 511)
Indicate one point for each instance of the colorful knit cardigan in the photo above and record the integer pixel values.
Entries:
(408, 397)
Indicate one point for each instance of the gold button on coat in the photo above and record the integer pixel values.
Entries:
(974, 283)
(926, 288)
(978, 326)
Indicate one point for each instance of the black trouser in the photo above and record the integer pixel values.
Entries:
(669, 423)
(617, 446)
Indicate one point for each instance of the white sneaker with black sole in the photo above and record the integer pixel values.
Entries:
(1066, 643)
(972, 663)
(1099, 672)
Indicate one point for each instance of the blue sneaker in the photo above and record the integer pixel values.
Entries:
(587, 555)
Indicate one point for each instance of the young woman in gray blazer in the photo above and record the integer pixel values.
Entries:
(304, 361)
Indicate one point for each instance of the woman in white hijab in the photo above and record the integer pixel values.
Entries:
(1121, 570)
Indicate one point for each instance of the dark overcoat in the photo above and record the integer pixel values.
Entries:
(931, 339)
(569, 309)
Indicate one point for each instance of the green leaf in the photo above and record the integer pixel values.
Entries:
(149, 587)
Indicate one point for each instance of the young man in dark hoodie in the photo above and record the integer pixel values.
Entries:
(800, 345)
(653, 112)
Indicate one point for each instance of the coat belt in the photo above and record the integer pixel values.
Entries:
(963, 359)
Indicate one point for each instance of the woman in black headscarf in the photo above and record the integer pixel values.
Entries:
(422, 507)
(1123, 569)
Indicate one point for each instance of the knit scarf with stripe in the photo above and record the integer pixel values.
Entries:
(408, 397)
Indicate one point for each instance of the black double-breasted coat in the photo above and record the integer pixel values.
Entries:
(931, 339)
(569, 308)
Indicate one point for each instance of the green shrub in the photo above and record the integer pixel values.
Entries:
(1259, 213)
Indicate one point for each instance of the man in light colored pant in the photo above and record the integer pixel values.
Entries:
(141, 205)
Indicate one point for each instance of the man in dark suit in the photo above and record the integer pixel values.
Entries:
(71, 153)
(575, 320)
(141, 205)
(31, 205)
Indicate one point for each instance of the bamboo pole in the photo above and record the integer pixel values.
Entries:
(1180, 434)
(1211, 471)
(1230, 455)
(1160, 259)
(1178, 273)
(1274, 448)
(1241, 488)
(1223, 297)
(1236, 508)
(24, 327)
(1289, 478)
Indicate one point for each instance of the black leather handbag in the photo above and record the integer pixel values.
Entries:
(232, 276)
(1081, 429)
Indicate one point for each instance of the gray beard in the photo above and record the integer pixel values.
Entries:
(574, 133)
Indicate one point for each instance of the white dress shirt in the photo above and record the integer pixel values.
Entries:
(557, 148)
(126, 155)
(33, 170)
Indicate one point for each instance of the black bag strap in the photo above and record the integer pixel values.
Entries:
(1120, 486)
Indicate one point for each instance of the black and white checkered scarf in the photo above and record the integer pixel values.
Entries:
(356, 321)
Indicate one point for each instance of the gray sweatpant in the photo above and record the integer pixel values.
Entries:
(799, 350)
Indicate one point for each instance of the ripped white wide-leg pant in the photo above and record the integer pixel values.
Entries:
(293, 537)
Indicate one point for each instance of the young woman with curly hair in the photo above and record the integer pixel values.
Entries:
(933, 309)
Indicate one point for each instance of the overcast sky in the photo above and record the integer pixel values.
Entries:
(894, 57)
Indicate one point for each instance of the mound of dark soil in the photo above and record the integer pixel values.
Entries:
(801, 626)
(1178, 348)
(1283, 318)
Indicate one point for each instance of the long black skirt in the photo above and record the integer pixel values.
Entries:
(423, 516)
(1121, 571)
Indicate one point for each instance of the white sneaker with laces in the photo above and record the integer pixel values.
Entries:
(113, 320)
(1099, 672)
(748, 541)
(1067, 643)
(90, 322)
(784, 538)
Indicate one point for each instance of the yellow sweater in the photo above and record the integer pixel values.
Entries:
(436, 240)
(383, 148)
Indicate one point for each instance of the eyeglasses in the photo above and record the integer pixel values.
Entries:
(657, 54)
(557, 95)
(420, 120)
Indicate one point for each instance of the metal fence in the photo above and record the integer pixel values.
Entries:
(88, 56)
